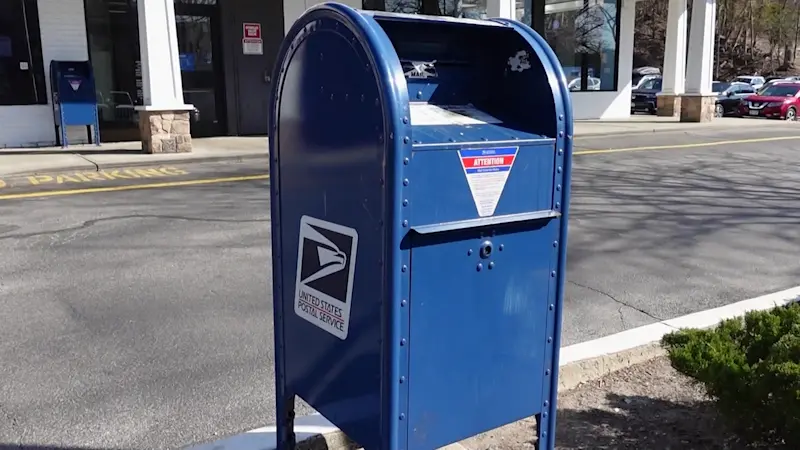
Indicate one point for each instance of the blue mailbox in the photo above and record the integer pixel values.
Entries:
(420, 171)
(74, 99)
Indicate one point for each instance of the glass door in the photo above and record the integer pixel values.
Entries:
(201, 66)
(21, 71)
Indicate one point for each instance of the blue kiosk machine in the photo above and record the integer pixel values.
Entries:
(420, 172)
(74, 99)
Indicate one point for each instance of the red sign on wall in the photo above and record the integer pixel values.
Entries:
(251, 39)
(251, 30)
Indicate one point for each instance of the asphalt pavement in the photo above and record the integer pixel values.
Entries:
(136, 313)
(662, 227)
(136, 319)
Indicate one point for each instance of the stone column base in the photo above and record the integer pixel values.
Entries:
(697, 108)
(165, 131)
(668, 105)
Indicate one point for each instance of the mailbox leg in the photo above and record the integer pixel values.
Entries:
(538, 418)
(64, 142)
(285, 422)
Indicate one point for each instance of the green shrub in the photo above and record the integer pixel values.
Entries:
(751, 367)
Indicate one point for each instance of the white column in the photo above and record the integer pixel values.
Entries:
(506, 9)
(158, 42)
(627, 26)
(700, 64)
(674, 74)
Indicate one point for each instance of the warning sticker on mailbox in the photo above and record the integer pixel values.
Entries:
(487, 171)
(326, 261)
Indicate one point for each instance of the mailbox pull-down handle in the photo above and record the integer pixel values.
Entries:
(484, 221)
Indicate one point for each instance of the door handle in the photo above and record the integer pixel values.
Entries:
(267, 77)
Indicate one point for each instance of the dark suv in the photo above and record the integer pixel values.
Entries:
(643, 98)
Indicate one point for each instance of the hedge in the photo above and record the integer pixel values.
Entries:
(751, 368)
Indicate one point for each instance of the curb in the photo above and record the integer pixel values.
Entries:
(335, 440)
(682, 130)
(625, 133)
(588, 361)
(574, 374)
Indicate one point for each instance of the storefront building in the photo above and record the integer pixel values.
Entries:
(211, 59)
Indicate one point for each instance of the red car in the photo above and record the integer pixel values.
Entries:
(779, 101)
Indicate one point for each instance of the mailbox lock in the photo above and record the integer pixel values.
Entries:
(486, 249)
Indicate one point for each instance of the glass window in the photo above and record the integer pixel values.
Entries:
(720, 87)
(113, 29)
(524, 9)
(583, 34)
(781, 90)
(474, 9)
(652, 84)
(22, 80)
(114, 51)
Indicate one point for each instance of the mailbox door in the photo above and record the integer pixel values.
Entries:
(447, 186)
(478, 328)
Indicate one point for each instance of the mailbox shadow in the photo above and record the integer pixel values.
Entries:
(640, 422)
(660, 206)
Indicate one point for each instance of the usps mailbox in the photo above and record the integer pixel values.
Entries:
(74, 99)
(420, 184)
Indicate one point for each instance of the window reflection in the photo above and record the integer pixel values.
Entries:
(194, 42)
(114, 51)
(474, 9)
(584, 35)
(22, 79)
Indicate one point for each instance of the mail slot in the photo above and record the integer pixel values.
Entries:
(74, 99)
(420, 171)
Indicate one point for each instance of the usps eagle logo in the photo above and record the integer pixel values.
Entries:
(326, 257)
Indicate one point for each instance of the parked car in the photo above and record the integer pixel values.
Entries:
(753, 80)
(729, 96)
(643, 98)
(779, 101)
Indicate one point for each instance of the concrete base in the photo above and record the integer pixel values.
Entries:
(668, 105)
(165, 131)
(697, 108)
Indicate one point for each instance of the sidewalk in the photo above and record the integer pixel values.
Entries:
(644, 124)
(117, 154)
(91, 157)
